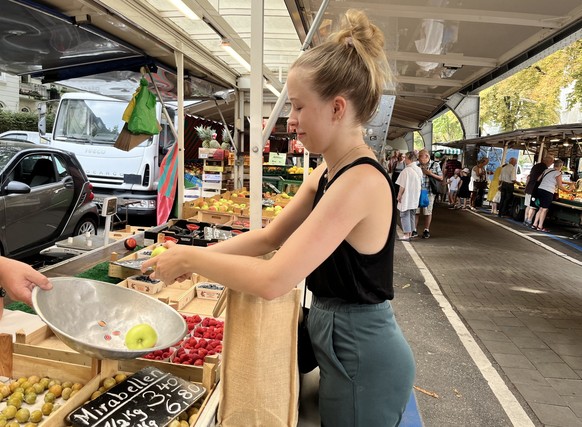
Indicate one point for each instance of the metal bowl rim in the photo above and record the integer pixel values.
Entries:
(96, 347)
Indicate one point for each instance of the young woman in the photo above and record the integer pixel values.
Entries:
(339, 230)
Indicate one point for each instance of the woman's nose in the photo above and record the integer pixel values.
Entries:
(291, 126)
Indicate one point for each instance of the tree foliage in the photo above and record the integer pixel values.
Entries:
(446, 128)
(531, 97)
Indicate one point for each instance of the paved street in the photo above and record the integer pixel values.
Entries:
(493, 312)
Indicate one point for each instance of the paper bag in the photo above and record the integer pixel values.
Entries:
(259, 374)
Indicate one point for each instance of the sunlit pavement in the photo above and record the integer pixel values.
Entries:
(517, 296)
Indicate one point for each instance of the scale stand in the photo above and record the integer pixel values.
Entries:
(108, 209)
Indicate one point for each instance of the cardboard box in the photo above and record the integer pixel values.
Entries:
(211, 153)
(150, 287)
(214, 217)
(245, 221)
(208, 290)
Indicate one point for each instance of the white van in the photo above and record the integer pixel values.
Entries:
(88, 125)
(522, 171)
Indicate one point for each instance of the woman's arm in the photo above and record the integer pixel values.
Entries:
(343, 212)
(561, 185)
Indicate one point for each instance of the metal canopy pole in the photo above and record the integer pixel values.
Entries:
(283, 97)
(180, 65)
(256, 114)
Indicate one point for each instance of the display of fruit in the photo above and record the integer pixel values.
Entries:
(192, 321)
(28, 400)
(210, 328)
(194, 351)
(145, 279)
(160, 354)
(141, 336)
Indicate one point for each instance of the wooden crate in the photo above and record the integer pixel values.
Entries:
(177, 295)
(126, 232)
(14, 365)
(23, 358)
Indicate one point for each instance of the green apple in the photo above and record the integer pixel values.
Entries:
(141, 336)
(158, 250)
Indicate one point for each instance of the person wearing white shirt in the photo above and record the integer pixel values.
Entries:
(507, 178)
(409, 182)
(551, 181)
(454, 185)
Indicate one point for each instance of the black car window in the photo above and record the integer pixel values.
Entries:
(43, 171)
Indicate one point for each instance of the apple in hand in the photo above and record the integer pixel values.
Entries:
(141, 336)
(157, 251)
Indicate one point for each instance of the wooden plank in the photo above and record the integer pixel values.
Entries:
(24, 366)
(33, 337)
(6, 355)
(49, 352)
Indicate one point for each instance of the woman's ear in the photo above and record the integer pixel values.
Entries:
(339, 107)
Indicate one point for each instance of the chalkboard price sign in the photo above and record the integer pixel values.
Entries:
(149, 398)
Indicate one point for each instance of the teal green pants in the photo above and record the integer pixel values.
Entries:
(366, 366)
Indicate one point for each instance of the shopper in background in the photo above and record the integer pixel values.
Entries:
(17, 280)
(551, 181)
(494, 194)
(409, 183)
(464, 193)
(453, 184)
(430, 169)
(398, 168)
(338, 232)
(479, 179)
(394, 159)
(451, 165)
(507, 179)
(536, 171)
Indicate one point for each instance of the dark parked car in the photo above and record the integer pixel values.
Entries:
(45, 197)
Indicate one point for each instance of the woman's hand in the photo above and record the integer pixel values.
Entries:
(19, 279)
(169, 266)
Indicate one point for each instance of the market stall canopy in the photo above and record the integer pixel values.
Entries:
(562, 141)
(436, 48)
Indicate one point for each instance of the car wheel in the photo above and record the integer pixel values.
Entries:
(86, 225)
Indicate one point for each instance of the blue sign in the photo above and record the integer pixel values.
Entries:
(495, 155)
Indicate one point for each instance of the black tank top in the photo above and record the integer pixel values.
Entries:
(348, 274)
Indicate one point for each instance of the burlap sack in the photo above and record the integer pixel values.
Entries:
(259, 375)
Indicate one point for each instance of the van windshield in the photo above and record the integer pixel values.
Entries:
(92, 121)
